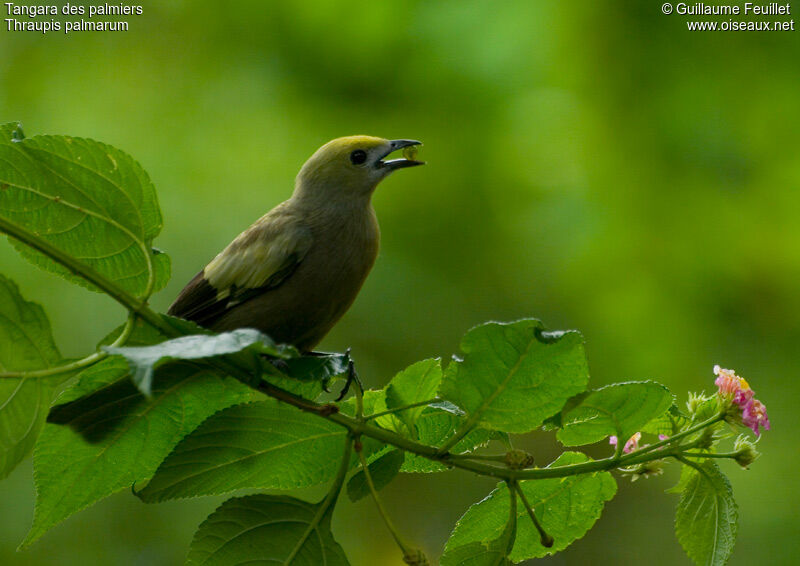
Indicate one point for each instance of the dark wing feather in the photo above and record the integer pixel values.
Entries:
(199, 301)
(257, 260)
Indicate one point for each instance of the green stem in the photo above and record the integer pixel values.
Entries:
(672, 439)
(512, 521)
(359, 394)
(131, 303)
(512, 518)
(462, 431)
(140, 244)
(690, 464)
(619, 447)
(89, 360)
(431, 453)
(407, 550)
(485, 457)
(140, 308)
(49, 372)
(354, 426)
(76, 267)
(544, 538)
(400, 409)
(327, 503)
(710, 454)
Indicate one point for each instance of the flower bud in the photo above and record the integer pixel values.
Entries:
(645, 470)
(518, 459)
(706, 438)
(746, 452)
(416, 557)
(695, 401)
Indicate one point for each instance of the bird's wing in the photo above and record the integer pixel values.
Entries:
(260, 258)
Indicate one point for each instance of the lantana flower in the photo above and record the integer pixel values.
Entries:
(630, 446)
(737, 391)
(731, 385)
(754, 414)
(745, 450)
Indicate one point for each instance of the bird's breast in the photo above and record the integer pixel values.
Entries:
(326, 282)
(342, 256)
(304, 307)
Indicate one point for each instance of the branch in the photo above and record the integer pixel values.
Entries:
(89, 360)
(356, 427)
(711, 454)
(131, 303)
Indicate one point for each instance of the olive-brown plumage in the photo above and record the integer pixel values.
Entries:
(298, 268)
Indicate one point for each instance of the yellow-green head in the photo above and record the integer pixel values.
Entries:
(351, 166)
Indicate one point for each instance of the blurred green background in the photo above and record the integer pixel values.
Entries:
(595, 165)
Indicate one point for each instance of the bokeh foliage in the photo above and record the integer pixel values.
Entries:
(592, 164)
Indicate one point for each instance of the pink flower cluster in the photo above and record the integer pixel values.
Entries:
(731, 386)
(633, 442)
(630, 446)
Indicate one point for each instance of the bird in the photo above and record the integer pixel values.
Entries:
(296, 270)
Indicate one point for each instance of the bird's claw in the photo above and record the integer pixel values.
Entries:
(352, 376)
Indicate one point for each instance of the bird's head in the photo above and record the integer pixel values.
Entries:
(352, 166)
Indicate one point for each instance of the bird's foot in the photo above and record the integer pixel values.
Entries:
(352, 377)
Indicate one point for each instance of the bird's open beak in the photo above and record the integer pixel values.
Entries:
(408, 156)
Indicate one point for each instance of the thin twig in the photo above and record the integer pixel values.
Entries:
(407, 550)
(328, 502)
(485, 457)
(400, 409)
(710, 454)
(544, 538)
(329, 411)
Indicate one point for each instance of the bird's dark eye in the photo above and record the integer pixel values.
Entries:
(358, 157)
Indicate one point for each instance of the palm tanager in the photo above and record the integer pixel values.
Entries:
(299, 267)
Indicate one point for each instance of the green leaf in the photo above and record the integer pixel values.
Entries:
(382, 470)
(265, 445)
(115, 436)
(620, 409)
(285, 369)
(88, 199)
(566, 507)
(668, 423)
(11, 132)
(494, 552)
(307, 375)
(687, 472)
(706, 408)
(98, 387)
(706, 519)
(306, 389)
(266, 529)
(434, 427)
(415, 384)
(373, 403)
(316, 367)
(144, 360)
(489, 553)
(26, 343)
(515, 375)
(102, 384)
